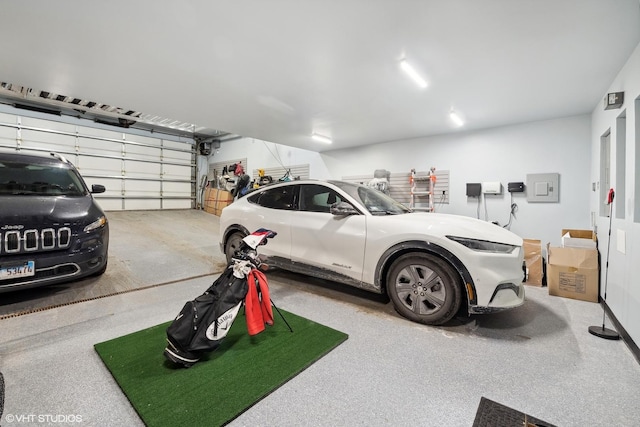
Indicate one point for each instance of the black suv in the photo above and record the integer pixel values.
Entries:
(51, 228)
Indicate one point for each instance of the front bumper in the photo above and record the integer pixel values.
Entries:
(61, 266)
(505, 296)
(497, 281)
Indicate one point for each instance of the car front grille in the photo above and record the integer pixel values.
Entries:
(34, 240)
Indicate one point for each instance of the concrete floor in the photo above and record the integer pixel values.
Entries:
(146, 248)
(538, 359)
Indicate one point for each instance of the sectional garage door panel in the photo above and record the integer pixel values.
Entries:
(7, 135)
(176, 172)
(37, 140)
(145, 204)
(142, 170)
(176, 204)
(142, 189)
(146, 140)
(139, 172)
(174, 189)
(98, 166)
(46, 125)
(99, 147)
(174, 145)
(101, 134)
(145, 153)
(7, 118)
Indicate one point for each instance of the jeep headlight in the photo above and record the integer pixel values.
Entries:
(100, 222)
(483, 245)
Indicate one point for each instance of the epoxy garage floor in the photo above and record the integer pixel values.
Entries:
(538, 359)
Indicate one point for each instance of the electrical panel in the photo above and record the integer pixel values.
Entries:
(543, 187)
(474, 189)
(492, 187)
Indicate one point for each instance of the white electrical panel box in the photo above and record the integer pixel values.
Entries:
(543, 187)
(492, 187)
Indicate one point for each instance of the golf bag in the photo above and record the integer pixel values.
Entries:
(203, 322)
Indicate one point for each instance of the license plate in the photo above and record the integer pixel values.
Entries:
(20, 270)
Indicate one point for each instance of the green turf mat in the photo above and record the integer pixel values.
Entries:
(222, 384)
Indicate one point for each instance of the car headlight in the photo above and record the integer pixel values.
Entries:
(100, 222)
(483, 245)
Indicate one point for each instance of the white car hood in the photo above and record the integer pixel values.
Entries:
(442, 225)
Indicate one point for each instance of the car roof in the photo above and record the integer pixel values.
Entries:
(312, 181)
(333, 183)
(41, 158)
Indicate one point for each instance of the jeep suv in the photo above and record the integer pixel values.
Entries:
(51, 228)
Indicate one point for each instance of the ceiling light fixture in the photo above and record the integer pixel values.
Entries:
(455, 118)
(321, 138)
(411, 72)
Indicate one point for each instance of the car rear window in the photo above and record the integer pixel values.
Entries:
(275, 198)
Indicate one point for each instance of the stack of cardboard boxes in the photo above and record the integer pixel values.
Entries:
(216, 199)
(573, 270)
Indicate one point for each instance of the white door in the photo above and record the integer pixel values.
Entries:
(322, 240)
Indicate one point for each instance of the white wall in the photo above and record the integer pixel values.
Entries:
(262, 154)
(505, 154)
(623, 294)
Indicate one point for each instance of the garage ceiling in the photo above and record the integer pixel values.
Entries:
(281, 70)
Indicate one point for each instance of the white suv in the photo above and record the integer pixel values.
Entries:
(431, 265)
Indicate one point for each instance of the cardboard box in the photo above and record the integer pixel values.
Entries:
(209, 206)
(216, 199)
(213, 210)
(224, 199)
(579, 239)
(573, 273)
(533, 261)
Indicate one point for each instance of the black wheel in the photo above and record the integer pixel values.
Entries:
(233, 243)
(424, 288)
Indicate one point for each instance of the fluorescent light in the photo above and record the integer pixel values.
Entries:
(321, 138)
(411, 72)
(455, 118)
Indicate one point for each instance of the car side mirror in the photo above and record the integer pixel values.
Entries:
(97, 188)
(343, 209)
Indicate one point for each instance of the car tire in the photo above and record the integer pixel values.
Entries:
(424, 288)
(232, 244)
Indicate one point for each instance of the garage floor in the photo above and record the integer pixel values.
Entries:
(538, 359)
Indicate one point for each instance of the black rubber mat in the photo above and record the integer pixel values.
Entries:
(493, 414)
(1, 394)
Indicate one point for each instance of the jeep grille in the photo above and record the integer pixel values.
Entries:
(24, 241)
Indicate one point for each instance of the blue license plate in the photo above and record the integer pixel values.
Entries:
(15, 271)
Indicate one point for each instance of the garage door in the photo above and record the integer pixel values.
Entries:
(139, 172)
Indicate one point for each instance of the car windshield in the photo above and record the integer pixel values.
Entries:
(18, 178)
(373, 200)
